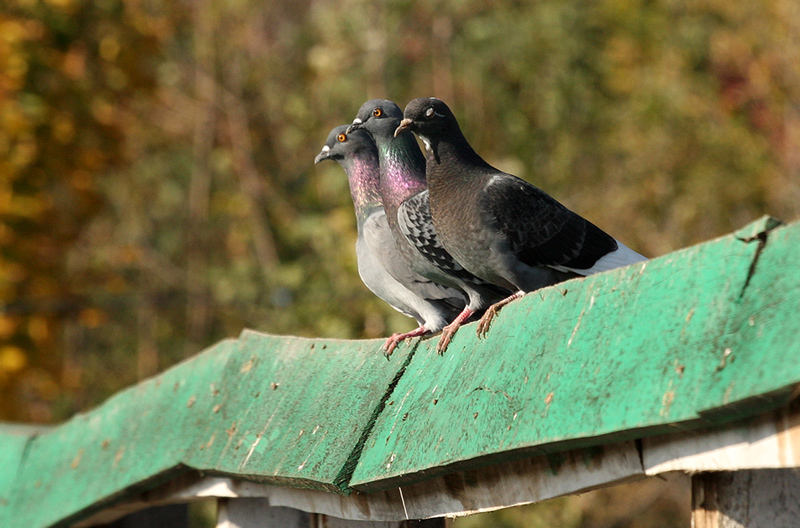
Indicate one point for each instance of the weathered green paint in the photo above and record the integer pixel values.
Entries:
(13, 441)
(699, 337)
(278, 410)
(675, 342)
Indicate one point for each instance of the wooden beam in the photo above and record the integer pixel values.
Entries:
(226, 410)
(173, 515)
(768, 441)
(257, 513)
(457, 494)
(767, 498)
(687, 342)
(771, 440)
(695, 339)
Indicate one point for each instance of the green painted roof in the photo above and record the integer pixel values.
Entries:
(699, 337)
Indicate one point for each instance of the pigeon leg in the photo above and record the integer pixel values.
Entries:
(491, 313)
(395, 339)
(449, 331)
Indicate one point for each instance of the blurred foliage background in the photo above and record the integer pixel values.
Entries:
(158, 193)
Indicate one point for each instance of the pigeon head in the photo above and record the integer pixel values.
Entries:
(379, 117)
(356, 154)
(428, 117)
(342, 144)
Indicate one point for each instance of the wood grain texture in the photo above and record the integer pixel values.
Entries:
(456, 494)
(257, 513)
(766, 498)
(771, 440)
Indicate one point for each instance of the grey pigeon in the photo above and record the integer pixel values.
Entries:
(380, 267)
(498, 226)
(405, 196)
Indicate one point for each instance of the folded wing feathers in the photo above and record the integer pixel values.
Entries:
(622, 256)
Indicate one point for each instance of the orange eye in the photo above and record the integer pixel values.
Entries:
(377, 112)
(341, 137)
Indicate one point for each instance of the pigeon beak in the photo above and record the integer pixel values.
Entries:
(357, 125)
(404, 124)
(322, 156)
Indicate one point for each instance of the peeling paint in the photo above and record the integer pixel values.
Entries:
(303, 464)
(118, 456)
(247, 365)
(666, 402)
(250, 452)
(77, 460)
(725, 358)
(575, 330)
(232, 430)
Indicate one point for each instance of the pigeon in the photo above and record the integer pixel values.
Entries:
(380, 268)
(498, 226)
(405, 196)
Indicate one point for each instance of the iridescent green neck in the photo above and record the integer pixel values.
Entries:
(402, 169)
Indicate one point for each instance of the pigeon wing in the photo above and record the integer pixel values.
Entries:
(416, 223)
(541, 231)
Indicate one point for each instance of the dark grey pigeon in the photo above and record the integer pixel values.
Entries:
(405, 196)
(379, 266)
(498, 226)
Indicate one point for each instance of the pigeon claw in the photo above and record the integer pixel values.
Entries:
(449, 331)
(491, 312)
(447, 335)
(486, 320)
(389, 345)
(395, 339)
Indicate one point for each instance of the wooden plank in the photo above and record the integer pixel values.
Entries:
(509, 484)
(767, 498)
(188, 487)
(287, 411)
(295, 409)
(323, 521)
(457, 494)
(696, 338)
(257, 513)
(13, 442)
(771, 440)
(468, 492)
(172, 516)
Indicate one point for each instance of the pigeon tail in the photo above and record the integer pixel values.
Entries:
(620, 257)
